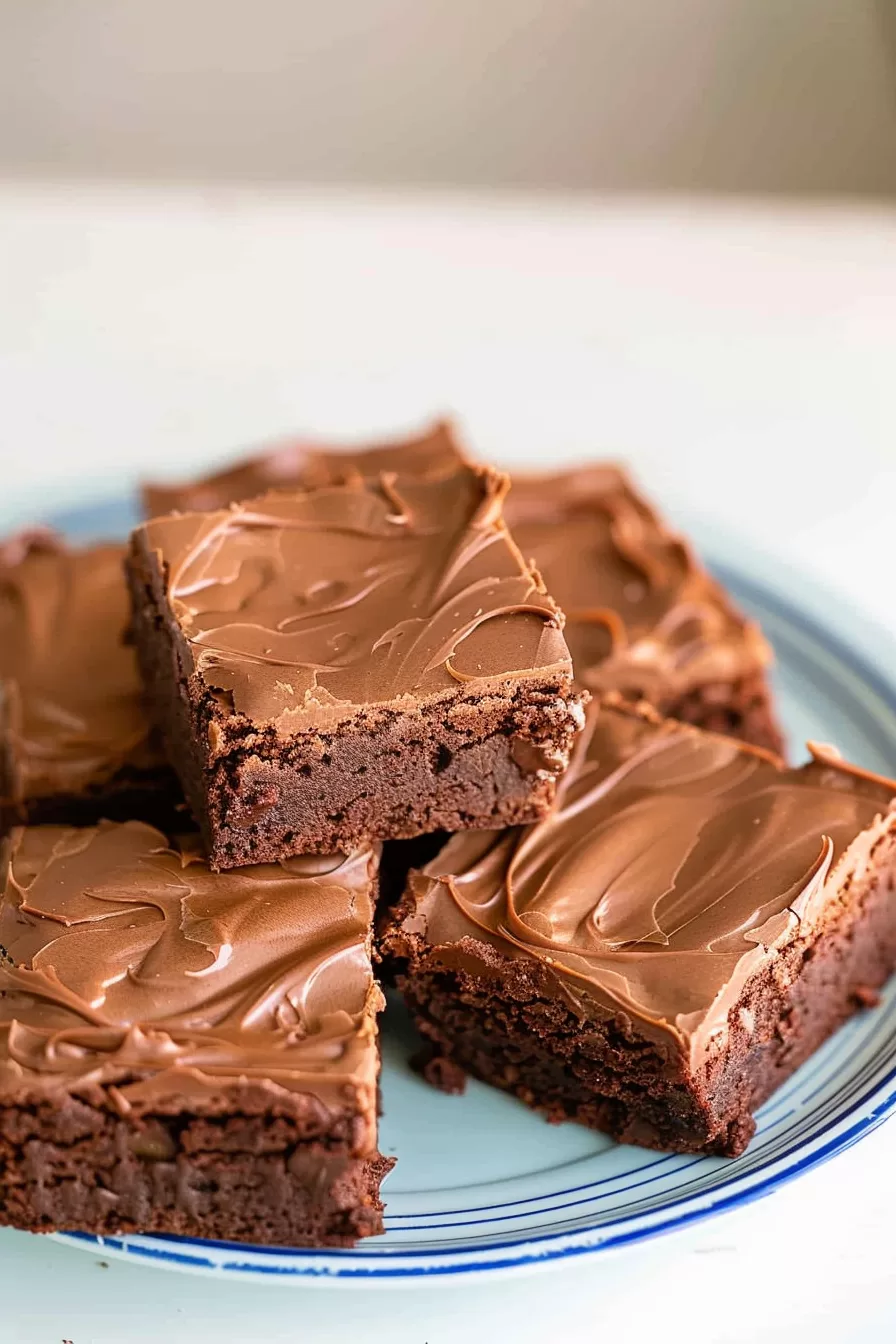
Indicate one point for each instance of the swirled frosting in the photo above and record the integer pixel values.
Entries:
(301, 608)
(642, 614)
(674, 866)
(127, 964)
(307, 464)
(70, 698)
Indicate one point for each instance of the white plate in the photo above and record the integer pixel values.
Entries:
(483, 1185)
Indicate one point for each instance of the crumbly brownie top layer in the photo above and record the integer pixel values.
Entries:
(69, 691)
(643, 616)
(303, 608)
(126, 963)
(300, 464)
(674, 866)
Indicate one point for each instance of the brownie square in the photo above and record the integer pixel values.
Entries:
(75, 742)
(656, 956)
(305, 464)
(182, 1052)
(369, 660)
(643, 616)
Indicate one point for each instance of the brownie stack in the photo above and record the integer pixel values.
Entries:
(636, 922)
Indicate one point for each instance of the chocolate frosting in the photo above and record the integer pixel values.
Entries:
(675, 865)
(128, 965)
(642, 614)
(308, 464)
(70, 698)
(301, 608)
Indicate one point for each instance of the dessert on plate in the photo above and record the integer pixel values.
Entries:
(186, 1052)
(358, 663)
(661, 951)
(364, 661)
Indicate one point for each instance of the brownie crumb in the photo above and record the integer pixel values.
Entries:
(440, 1072)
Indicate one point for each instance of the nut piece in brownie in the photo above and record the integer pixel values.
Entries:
(369, 660)
(74, 734)
(307, 465)
(183, 1052)
(643, 615)
(654, 958)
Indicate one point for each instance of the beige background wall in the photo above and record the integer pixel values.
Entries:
(755, 95)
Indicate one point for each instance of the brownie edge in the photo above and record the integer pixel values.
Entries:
(231, 1171)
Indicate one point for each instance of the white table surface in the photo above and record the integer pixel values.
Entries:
(741, 357)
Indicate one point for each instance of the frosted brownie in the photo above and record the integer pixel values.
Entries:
(657, 955)
(365, 661)
(644, 617)
(75, 743)
(182, 1052)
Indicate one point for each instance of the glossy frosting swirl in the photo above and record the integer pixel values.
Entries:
(642, 614)
(69, 690)
(308, 464)
(128, 964)
(300, 608)
(674, 865)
